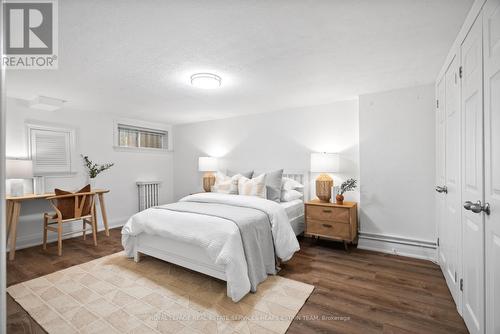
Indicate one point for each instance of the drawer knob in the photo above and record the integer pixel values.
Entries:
(327, 225)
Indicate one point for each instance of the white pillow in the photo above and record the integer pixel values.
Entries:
(253, 187)
(226, 184)
(290, 195)
(290, 184)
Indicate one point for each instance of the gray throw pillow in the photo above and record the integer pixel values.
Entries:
(248, 174)
(273, 185)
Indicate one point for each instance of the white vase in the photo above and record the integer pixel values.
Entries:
(91, 181)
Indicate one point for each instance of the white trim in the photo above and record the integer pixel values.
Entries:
(420, 249)
(36, 239)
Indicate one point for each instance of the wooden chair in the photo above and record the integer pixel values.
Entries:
(84, 210)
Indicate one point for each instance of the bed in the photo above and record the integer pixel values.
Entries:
(210, 243)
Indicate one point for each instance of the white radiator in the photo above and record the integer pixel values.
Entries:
(149, 194)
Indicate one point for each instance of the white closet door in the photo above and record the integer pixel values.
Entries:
(491, 30)
(452, 219)
(441, 174)
(472, 179)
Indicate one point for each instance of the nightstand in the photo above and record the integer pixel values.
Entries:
(332, 221)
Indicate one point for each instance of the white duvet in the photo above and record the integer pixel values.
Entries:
(220, 237)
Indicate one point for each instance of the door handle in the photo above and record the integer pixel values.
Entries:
(442, 189)
(477, 207)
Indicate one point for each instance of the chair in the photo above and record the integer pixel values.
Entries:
(84, 210)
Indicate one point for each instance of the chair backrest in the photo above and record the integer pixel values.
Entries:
(73, 206)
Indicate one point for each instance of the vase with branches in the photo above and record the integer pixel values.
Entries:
(93, 169)
(348, 185)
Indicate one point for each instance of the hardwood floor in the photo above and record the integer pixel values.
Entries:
(356, 292)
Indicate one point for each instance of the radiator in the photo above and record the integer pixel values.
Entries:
(149, 194)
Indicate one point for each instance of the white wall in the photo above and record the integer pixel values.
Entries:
(397, 163)
(94, 137)
(282, 139)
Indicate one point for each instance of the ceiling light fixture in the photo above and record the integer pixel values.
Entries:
(206, 80)
(46, 103)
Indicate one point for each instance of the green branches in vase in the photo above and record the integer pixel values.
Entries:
(348, 185)
(93, 169)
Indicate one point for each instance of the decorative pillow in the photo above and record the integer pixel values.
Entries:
(248, 174)
(253, 187)
(226, 184)
(290, 195)
(290, 184)
(67, 205)
(273, 185)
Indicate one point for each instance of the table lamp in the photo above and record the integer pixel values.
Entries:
(324, 163)
(209, 166)
(16, 171)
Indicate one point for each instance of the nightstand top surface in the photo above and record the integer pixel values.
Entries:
(319, 203)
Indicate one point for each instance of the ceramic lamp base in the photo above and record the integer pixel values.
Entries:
(324, 184)
(16, 188)
(208, 181)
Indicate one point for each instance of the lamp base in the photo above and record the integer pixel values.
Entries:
(16, 188)
(208, 181)
(324, 184)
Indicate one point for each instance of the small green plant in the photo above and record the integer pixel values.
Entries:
(94, 169)
(348, 185)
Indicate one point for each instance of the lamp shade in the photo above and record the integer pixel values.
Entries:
(19, 169)
(324, 162)
(207, 164)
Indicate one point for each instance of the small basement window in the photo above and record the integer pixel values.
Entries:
(138, 137)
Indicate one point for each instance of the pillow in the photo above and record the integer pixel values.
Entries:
(248, 174)
(253, 187)
(67, 205)
(290, 184)
(273, 185)
(290, 195)
(226, 184)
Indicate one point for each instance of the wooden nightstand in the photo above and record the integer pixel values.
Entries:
(332, 221)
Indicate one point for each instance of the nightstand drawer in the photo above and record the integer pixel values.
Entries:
(329, 229)
(328, 213)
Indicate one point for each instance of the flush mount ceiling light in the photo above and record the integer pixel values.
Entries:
(46, 103)
(206, 80)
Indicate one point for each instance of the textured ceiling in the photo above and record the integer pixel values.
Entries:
(134, 58)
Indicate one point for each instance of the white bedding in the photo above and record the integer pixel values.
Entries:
(295, 212)
(220, 237)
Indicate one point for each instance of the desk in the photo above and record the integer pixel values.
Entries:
(14, 209)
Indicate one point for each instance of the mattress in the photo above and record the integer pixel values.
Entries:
(295, 212)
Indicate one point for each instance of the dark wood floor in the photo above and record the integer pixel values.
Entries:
(356, 292)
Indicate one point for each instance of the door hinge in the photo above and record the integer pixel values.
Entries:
(437, 104)
(461, 284)
(455, 276)
(437, 242)
(460, 70)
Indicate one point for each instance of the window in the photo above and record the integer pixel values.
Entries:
(50, 149)
(138, 137)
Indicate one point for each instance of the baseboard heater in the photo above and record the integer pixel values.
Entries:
(149, 194)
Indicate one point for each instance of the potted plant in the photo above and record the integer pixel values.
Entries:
(348, 185)
(94, 169)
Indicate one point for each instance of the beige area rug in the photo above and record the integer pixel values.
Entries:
(114, 294)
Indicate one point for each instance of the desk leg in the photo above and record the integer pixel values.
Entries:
(10, 206)
(103, 213)
(13, 227)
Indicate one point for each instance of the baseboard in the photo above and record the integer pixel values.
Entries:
(420, 249)
(36, 239)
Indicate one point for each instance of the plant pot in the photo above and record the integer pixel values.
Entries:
(340, 199)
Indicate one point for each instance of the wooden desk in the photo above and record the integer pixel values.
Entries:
(14, 209)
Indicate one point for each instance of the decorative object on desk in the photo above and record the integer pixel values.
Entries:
(346, 186)
(17, 170)
(209, 166)
(38, 185)
(324, 163)
(94, 169)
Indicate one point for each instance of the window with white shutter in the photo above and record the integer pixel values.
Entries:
(51, 149)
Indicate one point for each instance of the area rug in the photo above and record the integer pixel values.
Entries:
(114, 294)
